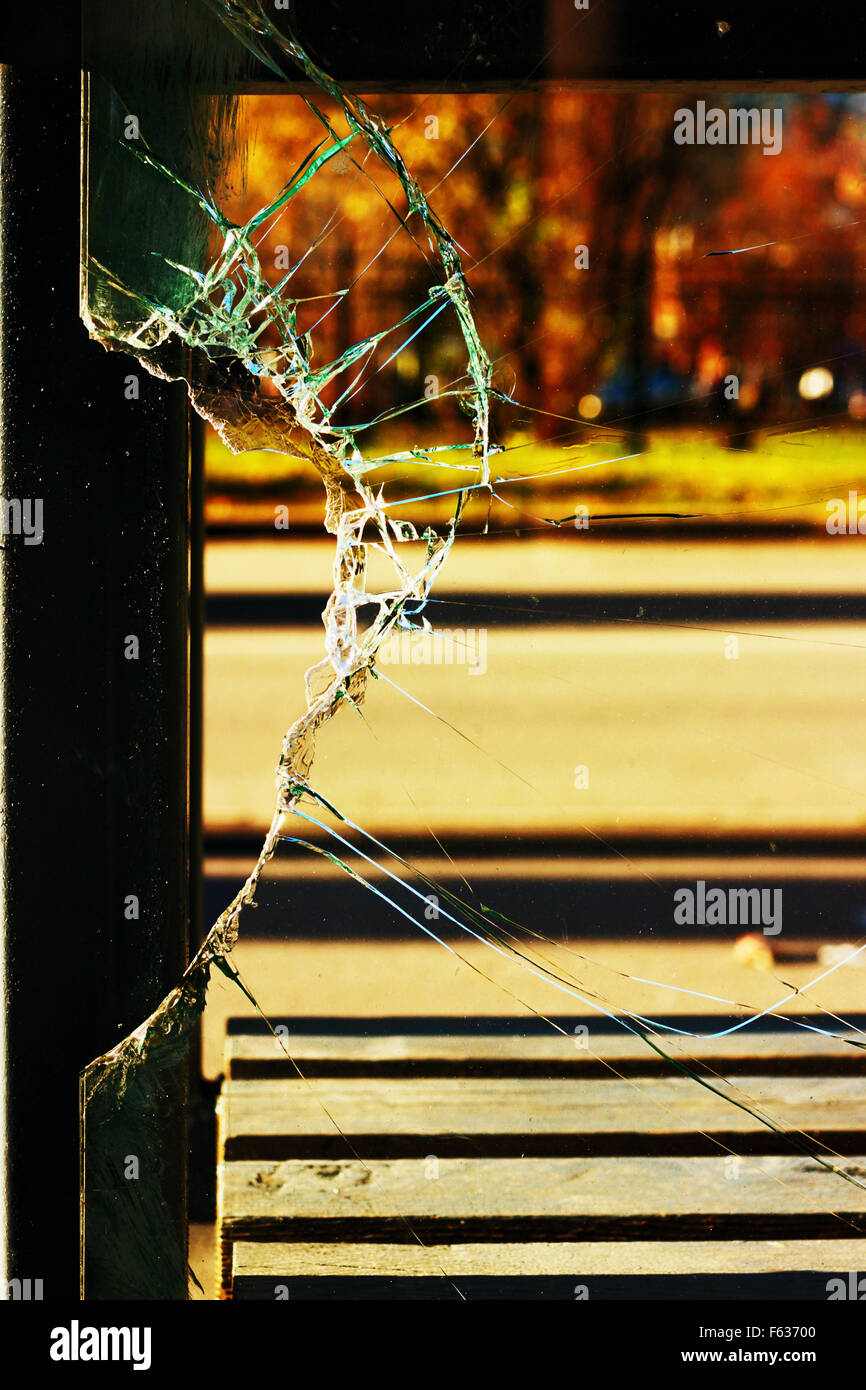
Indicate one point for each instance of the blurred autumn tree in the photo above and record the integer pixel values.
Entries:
(637, 327)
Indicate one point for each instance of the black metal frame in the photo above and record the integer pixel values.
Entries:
(96, 751)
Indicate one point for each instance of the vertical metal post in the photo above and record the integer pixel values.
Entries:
(95, 848)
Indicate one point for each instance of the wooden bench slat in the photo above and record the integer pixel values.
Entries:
(565, 1192)
(644, 1270)
(802, 1053)
(409, 1117)
(287, 1260)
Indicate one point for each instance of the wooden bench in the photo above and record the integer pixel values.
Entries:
(507, 1166)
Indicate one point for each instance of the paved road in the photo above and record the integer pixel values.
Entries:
(575, 561)
(673, 729)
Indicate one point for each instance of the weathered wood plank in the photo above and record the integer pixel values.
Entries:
(409, 1117)
(589, 1055)
(288, 1260)
(640, 1269)
(615, 1197)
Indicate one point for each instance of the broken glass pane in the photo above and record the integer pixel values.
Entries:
(457, 416)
